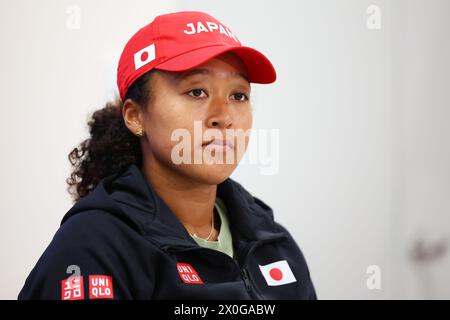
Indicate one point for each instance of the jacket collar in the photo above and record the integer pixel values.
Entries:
(129, 196)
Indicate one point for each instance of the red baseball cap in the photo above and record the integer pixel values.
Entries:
(182, 40)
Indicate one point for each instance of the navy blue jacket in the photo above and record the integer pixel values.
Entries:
(121, 241)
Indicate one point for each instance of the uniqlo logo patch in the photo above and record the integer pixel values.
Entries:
(101, 287)
(277, 273)
(72, 288)
(188, 274)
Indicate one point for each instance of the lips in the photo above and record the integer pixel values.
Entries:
(219, 143)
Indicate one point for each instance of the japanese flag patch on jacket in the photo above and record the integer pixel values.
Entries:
(277, 273)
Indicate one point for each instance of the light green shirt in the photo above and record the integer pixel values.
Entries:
(224, 241)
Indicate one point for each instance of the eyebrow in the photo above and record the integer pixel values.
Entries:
(193, 72)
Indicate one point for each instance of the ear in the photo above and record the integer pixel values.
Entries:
(131, 112)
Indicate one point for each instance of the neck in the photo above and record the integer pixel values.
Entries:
(196, 209)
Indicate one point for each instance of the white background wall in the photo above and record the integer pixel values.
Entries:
(362, 115)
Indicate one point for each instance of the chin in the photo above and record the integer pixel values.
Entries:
(210, 174)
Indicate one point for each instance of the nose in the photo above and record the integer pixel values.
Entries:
(219, 115)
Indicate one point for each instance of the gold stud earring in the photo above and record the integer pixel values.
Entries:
(140, 132)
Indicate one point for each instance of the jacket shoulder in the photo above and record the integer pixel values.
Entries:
(89, 226)
(88, 243)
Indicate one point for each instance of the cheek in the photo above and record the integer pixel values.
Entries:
(245, 121)
(249, 122)
(244, 118)
(162, 124)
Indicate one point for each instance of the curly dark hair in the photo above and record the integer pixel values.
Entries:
(111, 146)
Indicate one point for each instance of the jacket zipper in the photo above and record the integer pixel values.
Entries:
(246, 278)
(245, 275)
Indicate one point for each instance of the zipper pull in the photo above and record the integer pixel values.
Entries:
(244, 274)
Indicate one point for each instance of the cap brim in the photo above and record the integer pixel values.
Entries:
(259, 68)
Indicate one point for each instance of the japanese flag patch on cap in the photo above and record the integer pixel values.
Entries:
(277, 273)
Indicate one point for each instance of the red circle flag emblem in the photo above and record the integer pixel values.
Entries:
(277, 273)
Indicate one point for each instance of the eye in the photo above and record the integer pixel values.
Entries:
(240, 96)
(197, 93)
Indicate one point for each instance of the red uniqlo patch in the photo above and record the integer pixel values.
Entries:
(72, 288)
(188, 274)
(100, 287)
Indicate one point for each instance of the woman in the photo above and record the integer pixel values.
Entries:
(152, 218)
